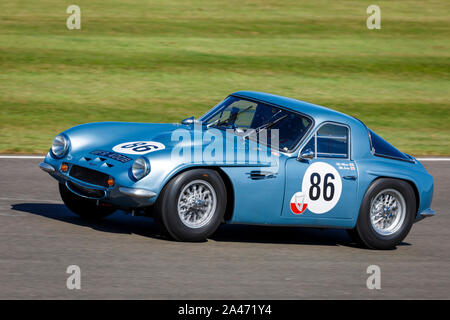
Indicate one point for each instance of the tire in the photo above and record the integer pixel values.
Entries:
(85, 208)
(354, 237)
(402, 211)
(185, 215)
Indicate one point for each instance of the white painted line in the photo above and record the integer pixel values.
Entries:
(28, 199)
(33, 200)
(22, 157)
(433, 159)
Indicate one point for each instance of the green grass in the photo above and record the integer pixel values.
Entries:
(162, 61)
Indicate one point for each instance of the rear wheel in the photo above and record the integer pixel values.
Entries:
(386, 215)
(354, 237)
(85, 208)
(192, 205)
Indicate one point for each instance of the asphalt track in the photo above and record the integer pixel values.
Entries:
(123, 257)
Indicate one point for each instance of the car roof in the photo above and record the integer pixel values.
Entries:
(317, 112)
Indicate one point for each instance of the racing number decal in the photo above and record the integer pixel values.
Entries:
(139, 147)
(321, 189)
(323, 186)
(327, 189)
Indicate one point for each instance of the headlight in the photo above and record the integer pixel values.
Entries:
(140, 168)
(60, 146)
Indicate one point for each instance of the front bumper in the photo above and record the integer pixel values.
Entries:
(137, 192)
(46, 167)
(120, 196)
(425, 214)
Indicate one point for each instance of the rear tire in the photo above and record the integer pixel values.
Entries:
(354, 237)
(386, 215)
(192, 205)
(83, 207)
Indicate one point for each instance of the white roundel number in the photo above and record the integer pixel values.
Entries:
(322, 186)
(139, 147)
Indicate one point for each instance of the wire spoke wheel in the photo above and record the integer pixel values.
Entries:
(197, 203)
(387, 212)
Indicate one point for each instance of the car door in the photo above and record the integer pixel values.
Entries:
(325, 185)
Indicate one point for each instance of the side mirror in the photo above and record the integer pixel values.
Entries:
(188, 121)
(307, 155)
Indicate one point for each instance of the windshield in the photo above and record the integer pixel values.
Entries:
(248, 117)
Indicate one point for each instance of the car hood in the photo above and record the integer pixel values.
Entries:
(104, 136)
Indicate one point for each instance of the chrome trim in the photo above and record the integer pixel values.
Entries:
(306, 155)
(427, 213)
(259, 175)
(137, 193)
(197, 204)
(188, 121)
(46, 167)
(387, 212)
(82, 195)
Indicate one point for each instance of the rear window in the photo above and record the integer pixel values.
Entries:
(381, 147)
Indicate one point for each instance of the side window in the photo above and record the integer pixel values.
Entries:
(330, 141)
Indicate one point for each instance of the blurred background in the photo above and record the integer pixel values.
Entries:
(165, 60)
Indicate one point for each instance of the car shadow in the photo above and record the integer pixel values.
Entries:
(283, 235)
(120, 222)
(287, 235)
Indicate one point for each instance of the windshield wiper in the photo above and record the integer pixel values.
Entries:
(265, 126)
(218, 123)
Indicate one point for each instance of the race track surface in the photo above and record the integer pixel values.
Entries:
(123, 257)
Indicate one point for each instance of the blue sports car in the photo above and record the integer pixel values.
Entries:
(254, 158)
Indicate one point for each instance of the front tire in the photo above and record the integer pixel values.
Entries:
(386, 215)
(83, 207)
(192, 205)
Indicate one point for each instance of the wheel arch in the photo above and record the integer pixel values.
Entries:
(229, 210)
(410, 182)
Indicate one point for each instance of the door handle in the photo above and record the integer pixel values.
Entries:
(349, 177)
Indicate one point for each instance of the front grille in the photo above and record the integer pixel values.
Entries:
(87, 192)
(89, 176)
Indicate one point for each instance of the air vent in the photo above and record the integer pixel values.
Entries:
(259, 175)
(83, 191)
(89, 176)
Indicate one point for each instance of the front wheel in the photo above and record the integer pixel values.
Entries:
(85, 208)
(192, 205)
(386, 215)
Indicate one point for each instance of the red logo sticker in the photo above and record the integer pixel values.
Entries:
(298, 203)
